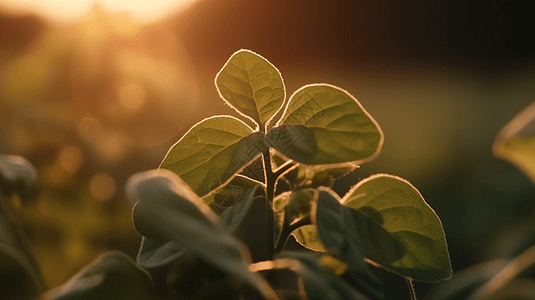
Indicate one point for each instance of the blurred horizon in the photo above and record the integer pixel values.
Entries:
(92, 98)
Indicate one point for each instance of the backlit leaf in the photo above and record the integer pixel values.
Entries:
(252, 86)
(398, 229)
(516, 142)
(323, 124)
(167, 209)
(308, 237)
(212, 151)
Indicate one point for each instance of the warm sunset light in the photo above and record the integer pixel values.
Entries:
(235, 149)
(66, 11)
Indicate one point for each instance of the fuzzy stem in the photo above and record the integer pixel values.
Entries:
(411, 289)
(288, 228)
(271, 179)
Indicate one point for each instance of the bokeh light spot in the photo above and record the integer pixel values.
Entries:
(102, 186)
(132, 96)
(71, 159)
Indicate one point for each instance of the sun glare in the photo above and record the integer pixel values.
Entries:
(69, 11)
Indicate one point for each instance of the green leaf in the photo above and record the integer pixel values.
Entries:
(113, 275)
(323, 124)
(17, 174)
(308, 236)
(399, 230)
(168, 209)
(155, 253)
(252, 86)
(338, 233)
(232, 217)
(212, 151)
(231, 193)
(515, 143)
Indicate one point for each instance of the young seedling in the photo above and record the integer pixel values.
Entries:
(221, 167)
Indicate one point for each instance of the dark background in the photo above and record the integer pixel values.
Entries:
(440, 77)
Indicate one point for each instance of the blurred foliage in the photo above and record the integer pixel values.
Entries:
(510, 271)
(516, 142)
(82, 101)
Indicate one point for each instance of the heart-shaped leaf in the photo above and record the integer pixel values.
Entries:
(252, 86)
(167, 209)
(398, 229)
(113, 275)
(212, 151)
(323, 124)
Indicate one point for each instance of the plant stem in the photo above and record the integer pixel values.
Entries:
(271, 179)
(284, 168)
(287, 230)
(411, 289)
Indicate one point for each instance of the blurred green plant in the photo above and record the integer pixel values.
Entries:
(510, 277)
(192, 210)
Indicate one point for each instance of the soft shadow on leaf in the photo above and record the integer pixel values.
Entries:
(232, 217)
(327, 126)
(167, 209)
(400, 232)
(212, 151)
(231, 193)
(113, 275)
(293, 141)
(252, 86)
(338, 232)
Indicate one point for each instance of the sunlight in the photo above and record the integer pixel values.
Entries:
(69, 11)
